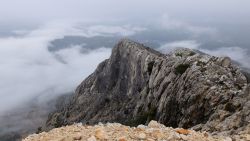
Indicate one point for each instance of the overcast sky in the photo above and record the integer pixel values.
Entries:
(201, 11)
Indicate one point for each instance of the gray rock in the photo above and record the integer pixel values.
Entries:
(226, 62)
(181, 89)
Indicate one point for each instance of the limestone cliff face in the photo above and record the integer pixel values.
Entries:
(182, 89)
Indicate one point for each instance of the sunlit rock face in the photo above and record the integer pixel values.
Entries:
(185, 88)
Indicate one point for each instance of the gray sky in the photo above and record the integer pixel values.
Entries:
(200, 11)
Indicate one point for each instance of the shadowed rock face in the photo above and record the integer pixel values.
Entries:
(180, 89)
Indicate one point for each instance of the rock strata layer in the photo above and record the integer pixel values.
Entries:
(184, 88)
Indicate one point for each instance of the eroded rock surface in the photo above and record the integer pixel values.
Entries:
(184, 88)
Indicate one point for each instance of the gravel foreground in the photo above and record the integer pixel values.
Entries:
(117, 132)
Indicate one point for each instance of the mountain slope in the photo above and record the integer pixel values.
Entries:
(181, 89)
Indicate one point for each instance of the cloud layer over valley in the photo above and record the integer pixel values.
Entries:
(28, 69)
(32, 76)
(48, 47)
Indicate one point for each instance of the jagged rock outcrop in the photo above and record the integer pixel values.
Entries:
(184, 88)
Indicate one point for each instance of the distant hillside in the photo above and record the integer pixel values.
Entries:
(24, 120)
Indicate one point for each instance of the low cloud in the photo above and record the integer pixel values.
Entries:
(29, 70)
(168, 47)
(33, 78)
(236, 53)
(169, 23)
(126, 30)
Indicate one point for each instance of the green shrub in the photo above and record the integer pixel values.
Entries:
(178, 54)
(182, 54)
(192, 53)
(143, 118)
(200, 63)
(39, 130)
(180, 69)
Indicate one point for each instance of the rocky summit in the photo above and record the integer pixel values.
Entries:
(117, 132)
(184, 88)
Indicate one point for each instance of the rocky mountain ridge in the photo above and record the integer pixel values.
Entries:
(184, 88)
